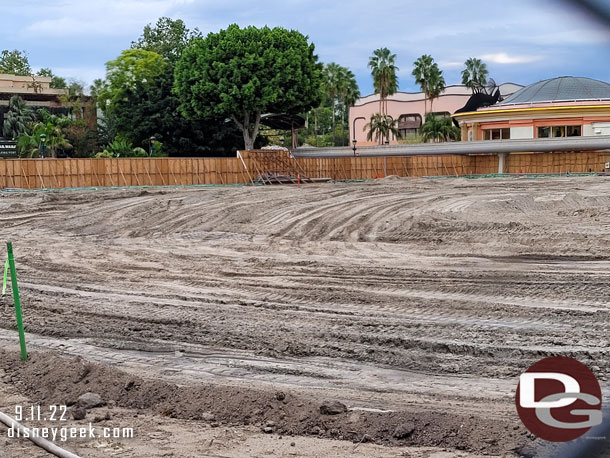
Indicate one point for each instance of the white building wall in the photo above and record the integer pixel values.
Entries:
(521, 132)
(600, 128)
(587, 130)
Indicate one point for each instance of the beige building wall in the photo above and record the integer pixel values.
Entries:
(407, 103)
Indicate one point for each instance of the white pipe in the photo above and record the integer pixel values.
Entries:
(41, 442)
(242, 160)
(533, 145)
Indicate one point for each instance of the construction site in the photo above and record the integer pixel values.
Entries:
(369, 309)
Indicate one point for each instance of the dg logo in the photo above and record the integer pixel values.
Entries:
(559, 399)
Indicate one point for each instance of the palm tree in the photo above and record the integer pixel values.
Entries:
(429, 77)
(17, 118)
(332, 76)
(475, 73)
(383, 68)
(348, 94)
(342, 90)
(439, 129)
(436, 84)
(52, 126)
(382, 126)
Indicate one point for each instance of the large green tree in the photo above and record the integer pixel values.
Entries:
(168, 38)
(429, 77)
(152, 110)
(243, 73)
(15, 62)
(145, 107)
(132, 67)
(475, 73)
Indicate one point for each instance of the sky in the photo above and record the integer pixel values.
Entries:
(521, 41)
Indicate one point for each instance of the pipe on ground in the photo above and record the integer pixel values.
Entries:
(39, 441)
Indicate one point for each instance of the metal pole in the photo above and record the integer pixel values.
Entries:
(11, 262)
(354, 126)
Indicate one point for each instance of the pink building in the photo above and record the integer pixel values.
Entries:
(408, 108)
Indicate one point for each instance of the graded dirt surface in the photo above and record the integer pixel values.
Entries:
(416, 303)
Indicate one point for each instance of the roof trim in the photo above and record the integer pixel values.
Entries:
(517, 110)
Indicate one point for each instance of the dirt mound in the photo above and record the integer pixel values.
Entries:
(50, 379)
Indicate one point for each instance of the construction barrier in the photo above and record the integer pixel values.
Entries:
(250, 166)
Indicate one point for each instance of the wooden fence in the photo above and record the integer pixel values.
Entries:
(66, 173)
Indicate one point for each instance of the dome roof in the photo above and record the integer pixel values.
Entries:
(562, 89)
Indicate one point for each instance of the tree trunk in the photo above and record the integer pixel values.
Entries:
(249, 129)
(334, 127)
(343, 124)
(315, 128)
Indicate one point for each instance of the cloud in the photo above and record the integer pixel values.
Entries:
(504, 58)
(450, 64)
(72, 18)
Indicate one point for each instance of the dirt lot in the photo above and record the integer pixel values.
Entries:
(214, 313)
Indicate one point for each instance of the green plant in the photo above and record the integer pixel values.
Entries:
(439, 129)
(17, 118)
(382, 126)
(104, 154)
(139, 152)
(120, 147)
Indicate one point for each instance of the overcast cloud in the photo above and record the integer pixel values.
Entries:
(521, 41)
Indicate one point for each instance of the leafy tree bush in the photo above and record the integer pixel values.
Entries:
(15, 62)
(243, 73)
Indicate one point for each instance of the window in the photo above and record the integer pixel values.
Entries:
(573, 131)
(496, 134)
(544, 132)
(409, 124)
(559, 131)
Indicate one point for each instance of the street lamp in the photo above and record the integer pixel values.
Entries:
(43, 145)
(354, 147)
(354, 126)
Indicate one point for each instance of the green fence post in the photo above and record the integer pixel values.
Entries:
(11, 262)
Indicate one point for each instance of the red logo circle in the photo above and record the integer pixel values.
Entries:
(559, 399)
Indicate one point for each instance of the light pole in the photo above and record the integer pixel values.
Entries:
(152, 143)
(354, 128)
(354, 147)
(43, 145)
